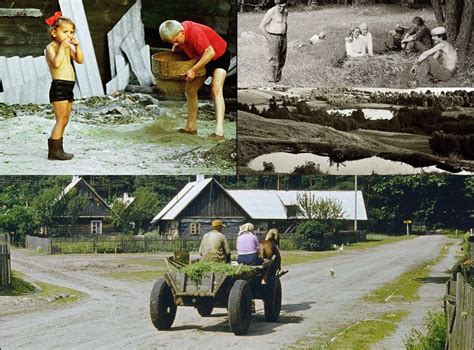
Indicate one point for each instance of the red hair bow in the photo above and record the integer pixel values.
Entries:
(51, 20)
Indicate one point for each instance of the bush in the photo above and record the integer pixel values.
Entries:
(434, 339)
(314, 235)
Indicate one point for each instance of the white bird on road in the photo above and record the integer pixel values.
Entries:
(332, 272)
(341, 248)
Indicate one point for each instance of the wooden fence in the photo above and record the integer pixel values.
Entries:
(459, 312)
(5, 262)
(42, 244)
(142, 244)
(125, 244)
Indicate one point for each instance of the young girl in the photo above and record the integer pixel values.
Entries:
(59, 52)
(354, 44)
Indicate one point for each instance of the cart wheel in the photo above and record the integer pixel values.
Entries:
(272, 299)
(162, 306)
(205, 309)
(240, 307)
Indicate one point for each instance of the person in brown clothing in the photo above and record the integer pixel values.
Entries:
(214, 245)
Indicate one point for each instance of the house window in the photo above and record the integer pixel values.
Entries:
(96, 227)
(194, 229)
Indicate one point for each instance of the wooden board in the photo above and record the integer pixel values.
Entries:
(88, 76)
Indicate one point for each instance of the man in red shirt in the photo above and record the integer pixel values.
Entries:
(204, 44)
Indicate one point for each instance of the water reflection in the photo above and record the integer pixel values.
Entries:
(370, 113)
(286, 163)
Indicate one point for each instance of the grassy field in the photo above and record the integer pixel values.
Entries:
(320, 64)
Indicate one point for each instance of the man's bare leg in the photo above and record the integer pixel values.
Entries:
(191, 91)
(217, 88)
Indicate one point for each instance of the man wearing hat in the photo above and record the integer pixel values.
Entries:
(439, 61)
(274, 28)
(214, 245)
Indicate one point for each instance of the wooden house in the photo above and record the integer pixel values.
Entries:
(192, 210)
(90, 220)
(23, 31)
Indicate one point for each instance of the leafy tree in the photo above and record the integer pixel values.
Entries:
(46, 208)
(18, 221)
(117, 215)
(319, 208)
(457, 19)
(268, 167)
(144, 208)
(313, 235)
(322, 215)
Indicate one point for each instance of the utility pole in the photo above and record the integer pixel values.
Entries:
(355, 204)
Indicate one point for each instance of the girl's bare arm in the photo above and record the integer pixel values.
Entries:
(77, 54)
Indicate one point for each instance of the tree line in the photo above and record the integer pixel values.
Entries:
(437, 201)
(448, 135)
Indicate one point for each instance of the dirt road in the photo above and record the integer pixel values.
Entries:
(116, 315)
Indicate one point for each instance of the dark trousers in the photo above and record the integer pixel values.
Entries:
(249, 259)
(432, 66)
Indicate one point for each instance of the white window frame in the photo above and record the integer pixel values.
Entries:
(96, 227)
(194, 229)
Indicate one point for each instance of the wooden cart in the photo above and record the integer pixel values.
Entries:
(217, 289)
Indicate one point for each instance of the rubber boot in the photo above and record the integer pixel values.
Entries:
(54, 150)
(70, 155)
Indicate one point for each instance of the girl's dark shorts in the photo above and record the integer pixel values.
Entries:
(222, 62)
(61, 90)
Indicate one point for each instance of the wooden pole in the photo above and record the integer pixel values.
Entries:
(355, 204)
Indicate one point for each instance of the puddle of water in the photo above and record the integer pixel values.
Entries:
(370, 113)
(286, 163)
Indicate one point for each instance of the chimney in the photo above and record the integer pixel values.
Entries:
(75, 178)
(125, 196)
(199, 178)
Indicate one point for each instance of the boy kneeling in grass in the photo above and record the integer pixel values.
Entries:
(204, 44)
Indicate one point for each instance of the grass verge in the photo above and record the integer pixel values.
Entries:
(141, 276)
(363, 334)
(405, 287)
(435, 338)
(19, 286)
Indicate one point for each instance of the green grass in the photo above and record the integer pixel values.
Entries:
(363, 334)
(321, 60)
(139, 276)
(19, 286)
(404, 287)
(434, 338)
(59, 295)
(51, 290)
(290, 257)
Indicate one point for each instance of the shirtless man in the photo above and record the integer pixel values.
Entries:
(440, 61)
(273, 27)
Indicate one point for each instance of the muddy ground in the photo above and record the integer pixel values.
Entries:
(115, 313)
(132, 133)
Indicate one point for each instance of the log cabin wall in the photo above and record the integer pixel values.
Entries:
(27, 36)
(221, 15)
